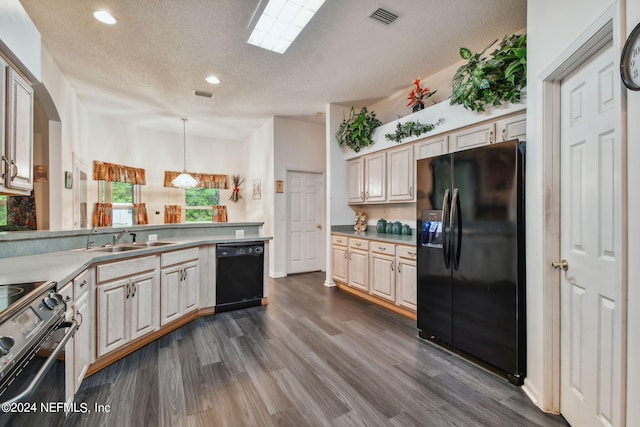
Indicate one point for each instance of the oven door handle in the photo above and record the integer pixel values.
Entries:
(73, 327)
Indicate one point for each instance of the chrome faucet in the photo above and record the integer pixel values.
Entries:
(118, 236)
(91, 242)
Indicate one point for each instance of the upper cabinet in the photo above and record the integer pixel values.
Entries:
(400, 174)
(17, 132)
(388, 176)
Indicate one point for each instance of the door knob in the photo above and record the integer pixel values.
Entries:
(564, 265)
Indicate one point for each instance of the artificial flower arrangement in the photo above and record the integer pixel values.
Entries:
(418, 96)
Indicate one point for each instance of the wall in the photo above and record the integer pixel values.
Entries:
(260, 164)
(123, 143)
(298, 146)
(633, 213)
(20, 39)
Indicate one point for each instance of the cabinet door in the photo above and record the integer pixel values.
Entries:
(383, 282)
(476, 136)
(400, 174)
(170, 282)
(407, 284)
(19, 132)
(190, 288)
(358, 269)
(112, 325)
(4, 163)
(432, 147)
(375, 170)
(82, 341)
(512, 128)
(340, 266)
(143, 305)
(355, 180)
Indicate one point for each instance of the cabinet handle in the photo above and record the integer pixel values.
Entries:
(381, 248)
(5, 167)
(345, 254)
(400, 268)
(504, 134)
(366, 195)
(133, 285)
(128, 291)
(358, 244)
(411, 253)
(411, 191)
(362, 195)
(349, 256)
(16, 169)
(392, 265)
(84, 282)
(491, 140)
(186, 273)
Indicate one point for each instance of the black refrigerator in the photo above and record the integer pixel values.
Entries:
(471, 281)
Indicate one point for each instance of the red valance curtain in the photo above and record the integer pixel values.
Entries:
(219, 214)
(204, 180)
(172, 214)
(102, 215)
(103, 171)
(140, 216)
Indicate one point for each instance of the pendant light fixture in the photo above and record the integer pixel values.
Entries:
(184, 180)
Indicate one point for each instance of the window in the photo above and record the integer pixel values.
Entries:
(3, 210)
(199, 202)
(122, 195)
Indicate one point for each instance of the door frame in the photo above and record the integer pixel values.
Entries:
(606, 29)
(322, 217)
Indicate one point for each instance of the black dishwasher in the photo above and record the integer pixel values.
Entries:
(240, 275)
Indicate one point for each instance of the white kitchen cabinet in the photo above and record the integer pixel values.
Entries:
(340, 259)
(128, 306)
(18, 160)
(359, 264)
(355, 180)
(400, 178)
(514, 127)
(406, 277)
(179, 284)
(4, 163)
(476, 136)
(375, 173)
(431, 147)
(83, 354)
(382, 270)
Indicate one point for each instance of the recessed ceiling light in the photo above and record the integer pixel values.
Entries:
(281, 22)
(213, 80)
(104, 17)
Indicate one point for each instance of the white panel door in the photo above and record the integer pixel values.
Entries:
(589, 238)
(305, 221)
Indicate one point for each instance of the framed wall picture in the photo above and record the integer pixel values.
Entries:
(68, 179)
(257, 190)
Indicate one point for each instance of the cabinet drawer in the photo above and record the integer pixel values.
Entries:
(361, 244)
(179, 257)
(339, 240)
(407, 252)
(82, 283)
(129, 267)
(383, 248)
(476, 136)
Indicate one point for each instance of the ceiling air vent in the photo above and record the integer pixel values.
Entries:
(202, 93)
(383, 16)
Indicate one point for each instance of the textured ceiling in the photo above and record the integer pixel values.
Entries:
(145, 68)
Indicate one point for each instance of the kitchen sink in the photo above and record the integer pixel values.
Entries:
(116, 249)
(152, 244)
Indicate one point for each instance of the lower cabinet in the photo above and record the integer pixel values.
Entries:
(383, 266)
(384, 270)
(127, 306)
(406, 277)
(179, 284)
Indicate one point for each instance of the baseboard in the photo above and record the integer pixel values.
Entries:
(330, 283)
(277, 275)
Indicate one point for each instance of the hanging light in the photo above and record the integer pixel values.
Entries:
(184, 180)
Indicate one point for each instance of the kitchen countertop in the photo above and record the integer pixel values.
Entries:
(371, 234)
(63, 266)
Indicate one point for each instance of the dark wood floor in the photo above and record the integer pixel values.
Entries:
(314, 356)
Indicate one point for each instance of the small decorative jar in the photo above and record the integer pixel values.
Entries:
(397, 227)
(406, 229)
(389, 228)
(381, 226)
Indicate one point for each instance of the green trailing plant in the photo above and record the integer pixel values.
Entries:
(410, 128)
(355, 131)
(493, 79)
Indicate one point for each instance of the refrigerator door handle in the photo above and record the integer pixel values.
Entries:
(456, 228)
(446, 205)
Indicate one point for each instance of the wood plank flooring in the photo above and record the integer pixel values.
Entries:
(315, 356)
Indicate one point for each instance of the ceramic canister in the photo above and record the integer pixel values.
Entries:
(381, 226)
(389, 228)
(397, 227)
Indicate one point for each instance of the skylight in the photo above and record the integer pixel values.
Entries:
(281, 22)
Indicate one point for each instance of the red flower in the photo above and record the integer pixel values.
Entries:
(418, 95)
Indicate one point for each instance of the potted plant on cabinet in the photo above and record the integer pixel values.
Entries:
(418, 96)
(494, 79)
(355, 131)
